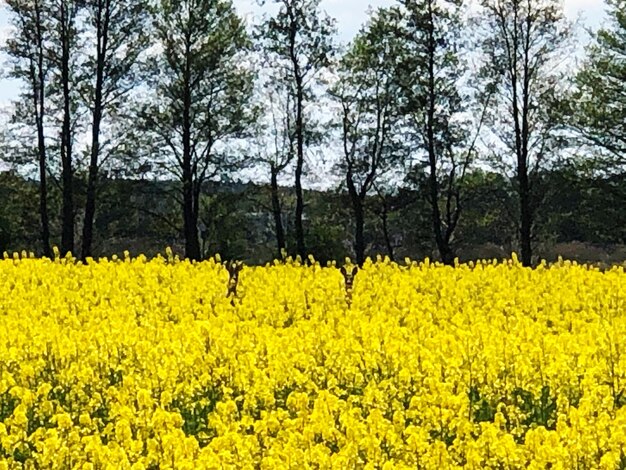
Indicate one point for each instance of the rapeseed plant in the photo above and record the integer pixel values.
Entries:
(135, 364)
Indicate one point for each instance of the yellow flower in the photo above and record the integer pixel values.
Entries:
(84, 420)
(64, 421)
(488, 365)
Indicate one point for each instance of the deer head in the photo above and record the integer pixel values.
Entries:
(233, 268)
(348, 276)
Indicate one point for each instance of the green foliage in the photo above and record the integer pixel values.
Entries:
(490, 213)
(370, 117)
(371, 114)
(538, 410)
(228, 230)
(523, 45)
(5, 234)
(125, 24)
(19, 224)
(298, 40)
(598, 108)
(328, 236)
(195, 411)
(298, 43)
(581, 205)
(410, 110)
(200, 73)
(326, 242)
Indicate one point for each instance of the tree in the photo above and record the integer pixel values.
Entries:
(299, 40)
(120, 31)
(275, 142)
(432, 77)
(389, 201)
(64, 46)
(524, 46)
(19, 221)
(367, 91)
(29, 63)
(598, 107)
(203, 87)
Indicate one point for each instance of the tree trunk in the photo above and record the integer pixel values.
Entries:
(300, 243)
(526, 221)
(523, 181)
(359, 218)
(92, 181)
(359, 227)
(299, 226)
(190, 221)
(68, 214)
(90, 203)
(446, 253)
(277, 212)
(43, 194)
(526, 210)
(67, 230)
(39, 97)
(385, 219)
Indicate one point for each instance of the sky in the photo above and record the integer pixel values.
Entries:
(350, 15)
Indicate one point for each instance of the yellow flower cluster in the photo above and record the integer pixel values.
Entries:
(144, 364)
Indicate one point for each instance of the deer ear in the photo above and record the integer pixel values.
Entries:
(355, 270)
(343, 270)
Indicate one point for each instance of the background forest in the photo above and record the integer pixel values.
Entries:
(446, 128)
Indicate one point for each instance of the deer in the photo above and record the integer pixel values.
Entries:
(233, 268)
(348, 277)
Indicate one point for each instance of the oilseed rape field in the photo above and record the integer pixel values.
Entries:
(133, 363)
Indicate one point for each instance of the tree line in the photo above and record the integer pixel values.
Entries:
(428, 96)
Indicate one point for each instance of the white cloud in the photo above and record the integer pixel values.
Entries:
(350, 14)
(592, 12)
(583, 4)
